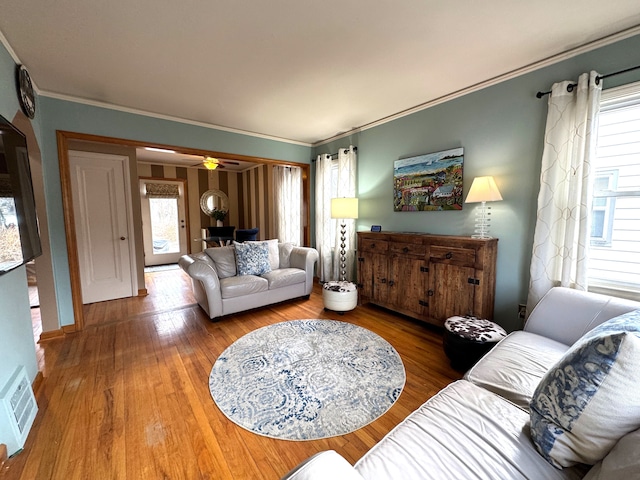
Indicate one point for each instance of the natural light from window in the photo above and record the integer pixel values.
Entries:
(614, 258)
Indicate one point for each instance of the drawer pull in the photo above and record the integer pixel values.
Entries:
(373, 245)
(391, 283)
(449, 256)
(430, 293)
(383, 280)
(405, 249)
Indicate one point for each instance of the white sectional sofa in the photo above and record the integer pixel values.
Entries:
(479, 427)
(221, 289)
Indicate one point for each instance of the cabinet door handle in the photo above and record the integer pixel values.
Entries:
(391, 283)
(449, 256)
(430, 293)
(383, 280)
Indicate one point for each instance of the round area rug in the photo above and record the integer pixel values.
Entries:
(307, 379)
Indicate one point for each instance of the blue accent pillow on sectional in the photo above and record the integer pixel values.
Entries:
(252, 258)
(591, 397)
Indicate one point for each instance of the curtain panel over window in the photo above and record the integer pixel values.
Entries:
(334, 178)
(562, 233)
(162, 190)
(287, 186)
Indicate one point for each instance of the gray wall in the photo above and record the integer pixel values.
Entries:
(75, 117)
(501, 129)
(16, 334)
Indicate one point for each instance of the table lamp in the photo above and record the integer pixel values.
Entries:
(483, 190)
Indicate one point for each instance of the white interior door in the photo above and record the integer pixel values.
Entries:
(163, 221)
(101, 202)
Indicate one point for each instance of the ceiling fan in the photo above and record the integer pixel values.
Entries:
(211, 163)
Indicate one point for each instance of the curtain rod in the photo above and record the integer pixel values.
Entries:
(570, 87)
(335, 155)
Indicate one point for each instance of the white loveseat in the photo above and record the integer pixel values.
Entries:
(220, 290)
(479, 427)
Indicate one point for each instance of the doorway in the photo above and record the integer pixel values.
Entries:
(164, 220)
(101, 203)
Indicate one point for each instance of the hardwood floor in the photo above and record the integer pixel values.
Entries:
(128, 397)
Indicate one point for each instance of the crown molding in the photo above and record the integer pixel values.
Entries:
(601, 42)
(135, 111)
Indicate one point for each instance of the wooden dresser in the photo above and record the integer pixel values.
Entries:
(428, 277)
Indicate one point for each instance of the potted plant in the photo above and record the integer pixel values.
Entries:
(218, 215)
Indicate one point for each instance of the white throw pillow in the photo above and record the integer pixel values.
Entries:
(621, 462)
(590, 398)
(285, 254)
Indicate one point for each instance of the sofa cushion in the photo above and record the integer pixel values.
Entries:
(514, 368)
(589, 399)
(252, 258)
(238, 286)
(463, 432)
(623, 461)
(224, 259)
(274, 252)
(326, 465)
(283, 277)
(285, 250)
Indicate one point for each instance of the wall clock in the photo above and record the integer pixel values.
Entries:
(25, 92)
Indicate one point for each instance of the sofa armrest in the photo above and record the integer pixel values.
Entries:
(198, 266)
(323, 466)
(305, 258)
(565, 314)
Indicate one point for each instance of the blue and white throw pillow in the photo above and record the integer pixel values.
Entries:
(591, 397)
(252, 258)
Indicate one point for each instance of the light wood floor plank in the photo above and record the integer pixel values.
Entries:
(128, 397)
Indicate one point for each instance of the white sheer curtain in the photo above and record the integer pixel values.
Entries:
(287, 186)
(323, 216)
(347, 161)
(563, 230)
(334, 178)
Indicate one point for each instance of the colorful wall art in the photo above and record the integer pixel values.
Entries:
(430, 182)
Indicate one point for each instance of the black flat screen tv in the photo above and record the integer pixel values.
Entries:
(19, 237)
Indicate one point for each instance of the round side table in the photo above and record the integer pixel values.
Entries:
(466, 339)
(339, 296)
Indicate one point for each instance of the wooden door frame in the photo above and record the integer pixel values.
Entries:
(63, 139)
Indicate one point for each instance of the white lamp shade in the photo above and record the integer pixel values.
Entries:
(483, 189)
(344, 208)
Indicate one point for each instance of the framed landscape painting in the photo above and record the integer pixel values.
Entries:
(430, 182)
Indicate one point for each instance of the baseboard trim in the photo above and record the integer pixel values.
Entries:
(69, 328)
(37, 382)
(142, 292)
(50, 335)
(3, 455)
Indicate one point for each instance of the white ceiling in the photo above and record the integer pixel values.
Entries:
(302, 70)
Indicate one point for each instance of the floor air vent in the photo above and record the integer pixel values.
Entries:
(18, 409)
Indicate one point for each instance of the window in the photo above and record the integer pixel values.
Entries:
(614, 259)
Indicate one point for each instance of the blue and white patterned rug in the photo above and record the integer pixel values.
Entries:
(307, 379)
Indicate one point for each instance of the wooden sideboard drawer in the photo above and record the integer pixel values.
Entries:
(408, 248)
(377, 246)
(454, 255)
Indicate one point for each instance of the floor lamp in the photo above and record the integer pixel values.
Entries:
(343, 209)
(483, 190)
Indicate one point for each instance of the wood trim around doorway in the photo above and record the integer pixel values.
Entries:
(64, 137)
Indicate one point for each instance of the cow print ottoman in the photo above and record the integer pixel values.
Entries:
(468, 338)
